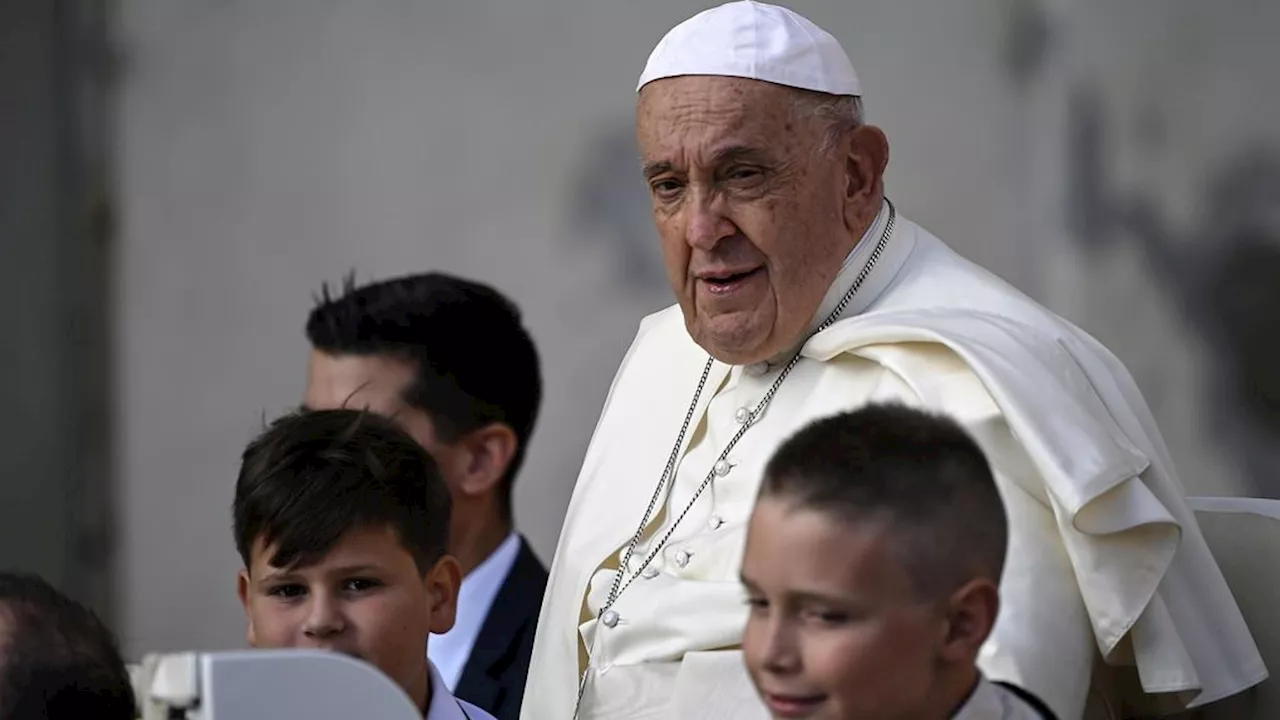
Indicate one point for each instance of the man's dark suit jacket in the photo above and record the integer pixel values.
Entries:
(494, 675)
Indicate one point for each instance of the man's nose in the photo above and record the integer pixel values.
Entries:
(707, 223)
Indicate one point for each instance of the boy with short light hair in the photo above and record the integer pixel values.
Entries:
(872, 568)
(342, 520)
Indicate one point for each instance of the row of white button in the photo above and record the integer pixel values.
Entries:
(682, 557)
(609, 618)
(722, 467)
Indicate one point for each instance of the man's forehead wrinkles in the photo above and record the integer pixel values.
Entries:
(687, 119)
(705, 154)
(686, 126)
(684, 129)
(704, 133)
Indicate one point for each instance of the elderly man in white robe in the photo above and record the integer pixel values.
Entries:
(803, 292)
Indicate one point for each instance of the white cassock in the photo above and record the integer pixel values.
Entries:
(1104, 555)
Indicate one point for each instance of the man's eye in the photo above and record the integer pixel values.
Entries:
(287, 591)
(757, 603)
(743, 173)
(665, 188)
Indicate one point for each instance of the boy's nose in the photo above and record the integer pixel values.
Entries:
(323, 620)
(781, 656)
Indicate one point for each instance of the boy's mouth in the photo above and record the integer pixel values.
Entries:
(341, 651)
(792, 705)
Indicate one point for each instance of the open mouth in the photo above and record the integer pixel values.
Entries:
(793, 706)
(728, 282)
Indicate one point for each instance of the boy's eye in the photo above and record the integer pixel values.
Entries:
(287, 591)
(757, 603)
(360, 584)
(829, 617)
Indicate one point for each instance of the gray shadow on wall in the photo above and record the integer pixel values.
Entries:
(1222, 273)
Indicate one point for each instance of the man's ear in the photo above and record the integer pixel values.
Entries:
(971, 614)
(486, 454)
(443, 582)
(242, 589)
(866, 157)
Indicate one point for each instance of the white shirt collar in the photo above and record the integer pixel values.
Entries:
(444, 706)
(480, 587)
(989, 701)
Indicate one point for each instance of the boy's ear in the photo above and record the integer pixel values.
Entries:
(443, 582)
(242, 589)
(971, 614)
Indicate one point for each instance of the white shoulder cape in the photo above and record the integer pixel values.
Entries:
(1154, 594)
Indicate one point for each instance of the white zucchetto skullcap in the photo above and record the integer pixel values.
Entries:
(757, 41)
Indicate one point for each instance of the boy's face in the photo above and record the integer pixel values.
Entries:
(365, 599)
(376, 383)
(835, 631)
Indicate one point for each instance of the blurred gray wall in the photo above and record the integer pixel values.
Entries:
(268, 146)
(55, 497)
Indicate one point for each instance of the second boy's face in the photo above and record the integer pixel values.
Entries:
(375, 383)
(834, 631)
(365, 599)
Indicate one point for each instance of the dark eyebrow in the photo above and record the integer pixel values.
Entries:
(358, 569)
(652, 169)
(723, 155)
(817, 598)
(279, 575)
(293, 574)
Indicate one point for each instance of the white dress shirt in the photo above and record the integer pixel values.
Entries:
(480, 587)
(444, 706)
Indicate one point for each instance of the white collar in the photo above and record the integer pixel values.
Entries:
(989, 701)
(444, 706)
(450, 651)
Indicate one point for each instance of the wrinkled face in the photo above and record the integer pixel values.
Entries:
(752, 215)
(835, 631)
(365, 599)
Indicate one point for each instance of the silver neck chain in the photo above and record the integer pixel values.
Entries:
(668, 473)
